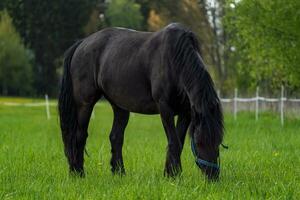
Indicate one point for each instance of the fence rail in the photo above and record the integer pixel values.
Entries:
(258, 100)
(223, 100)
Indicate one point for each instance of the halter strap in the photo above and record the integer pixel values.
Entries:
(201, 162)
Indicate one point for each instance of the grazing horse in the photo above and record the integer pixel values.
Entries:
(143, 72)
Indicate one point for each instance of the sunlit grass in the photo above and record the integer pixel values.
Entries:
(262, 160)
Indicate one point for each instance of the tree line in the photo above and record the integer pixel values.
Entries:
(245, 43)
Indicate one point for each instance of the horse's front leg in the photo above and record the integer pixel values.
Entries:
(117, 138)
(182, 125)
(173, 164)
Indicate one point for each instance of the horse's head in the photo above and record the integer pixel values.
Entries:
(206, 136)
(206, 158)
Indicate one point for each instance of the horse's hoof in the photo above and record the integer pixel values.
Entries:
(172, 173)
(119, 171)
(77, 173)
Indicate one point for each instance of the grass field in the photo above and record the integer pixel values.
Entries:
(262, 162)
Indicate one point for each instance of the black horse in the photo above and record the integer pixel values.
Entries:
(143, 72)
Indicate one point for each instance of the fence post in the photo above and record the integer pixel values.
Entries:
(218, 93)
(47, 106)
(282, 105)
(257, 104)
(235, 103)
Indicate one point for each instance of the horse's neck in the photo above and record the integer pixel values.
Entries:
(199, 88)
(193, 95)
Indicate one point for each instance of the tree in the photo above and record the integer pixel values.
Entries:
(49, 28)
(215, 12)
(124, 13)
(15, 60)
(266, 42)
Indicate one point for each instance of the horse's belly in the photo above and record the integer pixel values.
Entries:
(134, 103)
(134, 97)
(142, 106)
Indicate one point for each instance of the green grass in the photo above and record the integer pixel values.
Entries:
(263, 160)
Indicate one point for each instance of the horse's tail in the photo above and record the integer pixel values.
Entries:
(67, 107)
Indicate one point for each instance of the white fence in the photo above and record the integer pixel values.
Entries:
(228, 103)
(281, 102)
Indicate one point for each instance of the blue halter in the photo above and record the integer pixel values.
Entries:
(201, 162)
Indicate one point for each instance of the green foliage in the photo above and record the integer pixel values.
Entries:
(124, 13)
(49, 28)
(266, 35)
(15, 60)
(262, 162)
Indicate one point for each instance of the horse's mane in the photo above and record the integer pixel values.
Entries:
(197, 83)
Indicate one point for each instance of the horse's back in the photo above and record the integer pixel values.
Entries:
(126, 66)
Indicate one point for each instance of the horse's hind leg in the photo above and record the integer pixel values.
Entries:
(116, 139)
(83, 116)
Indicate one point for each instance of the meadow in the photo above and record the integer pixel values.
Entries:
(262, 161)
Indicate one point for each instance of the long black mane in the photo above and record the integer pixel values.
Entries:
(205, 103)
